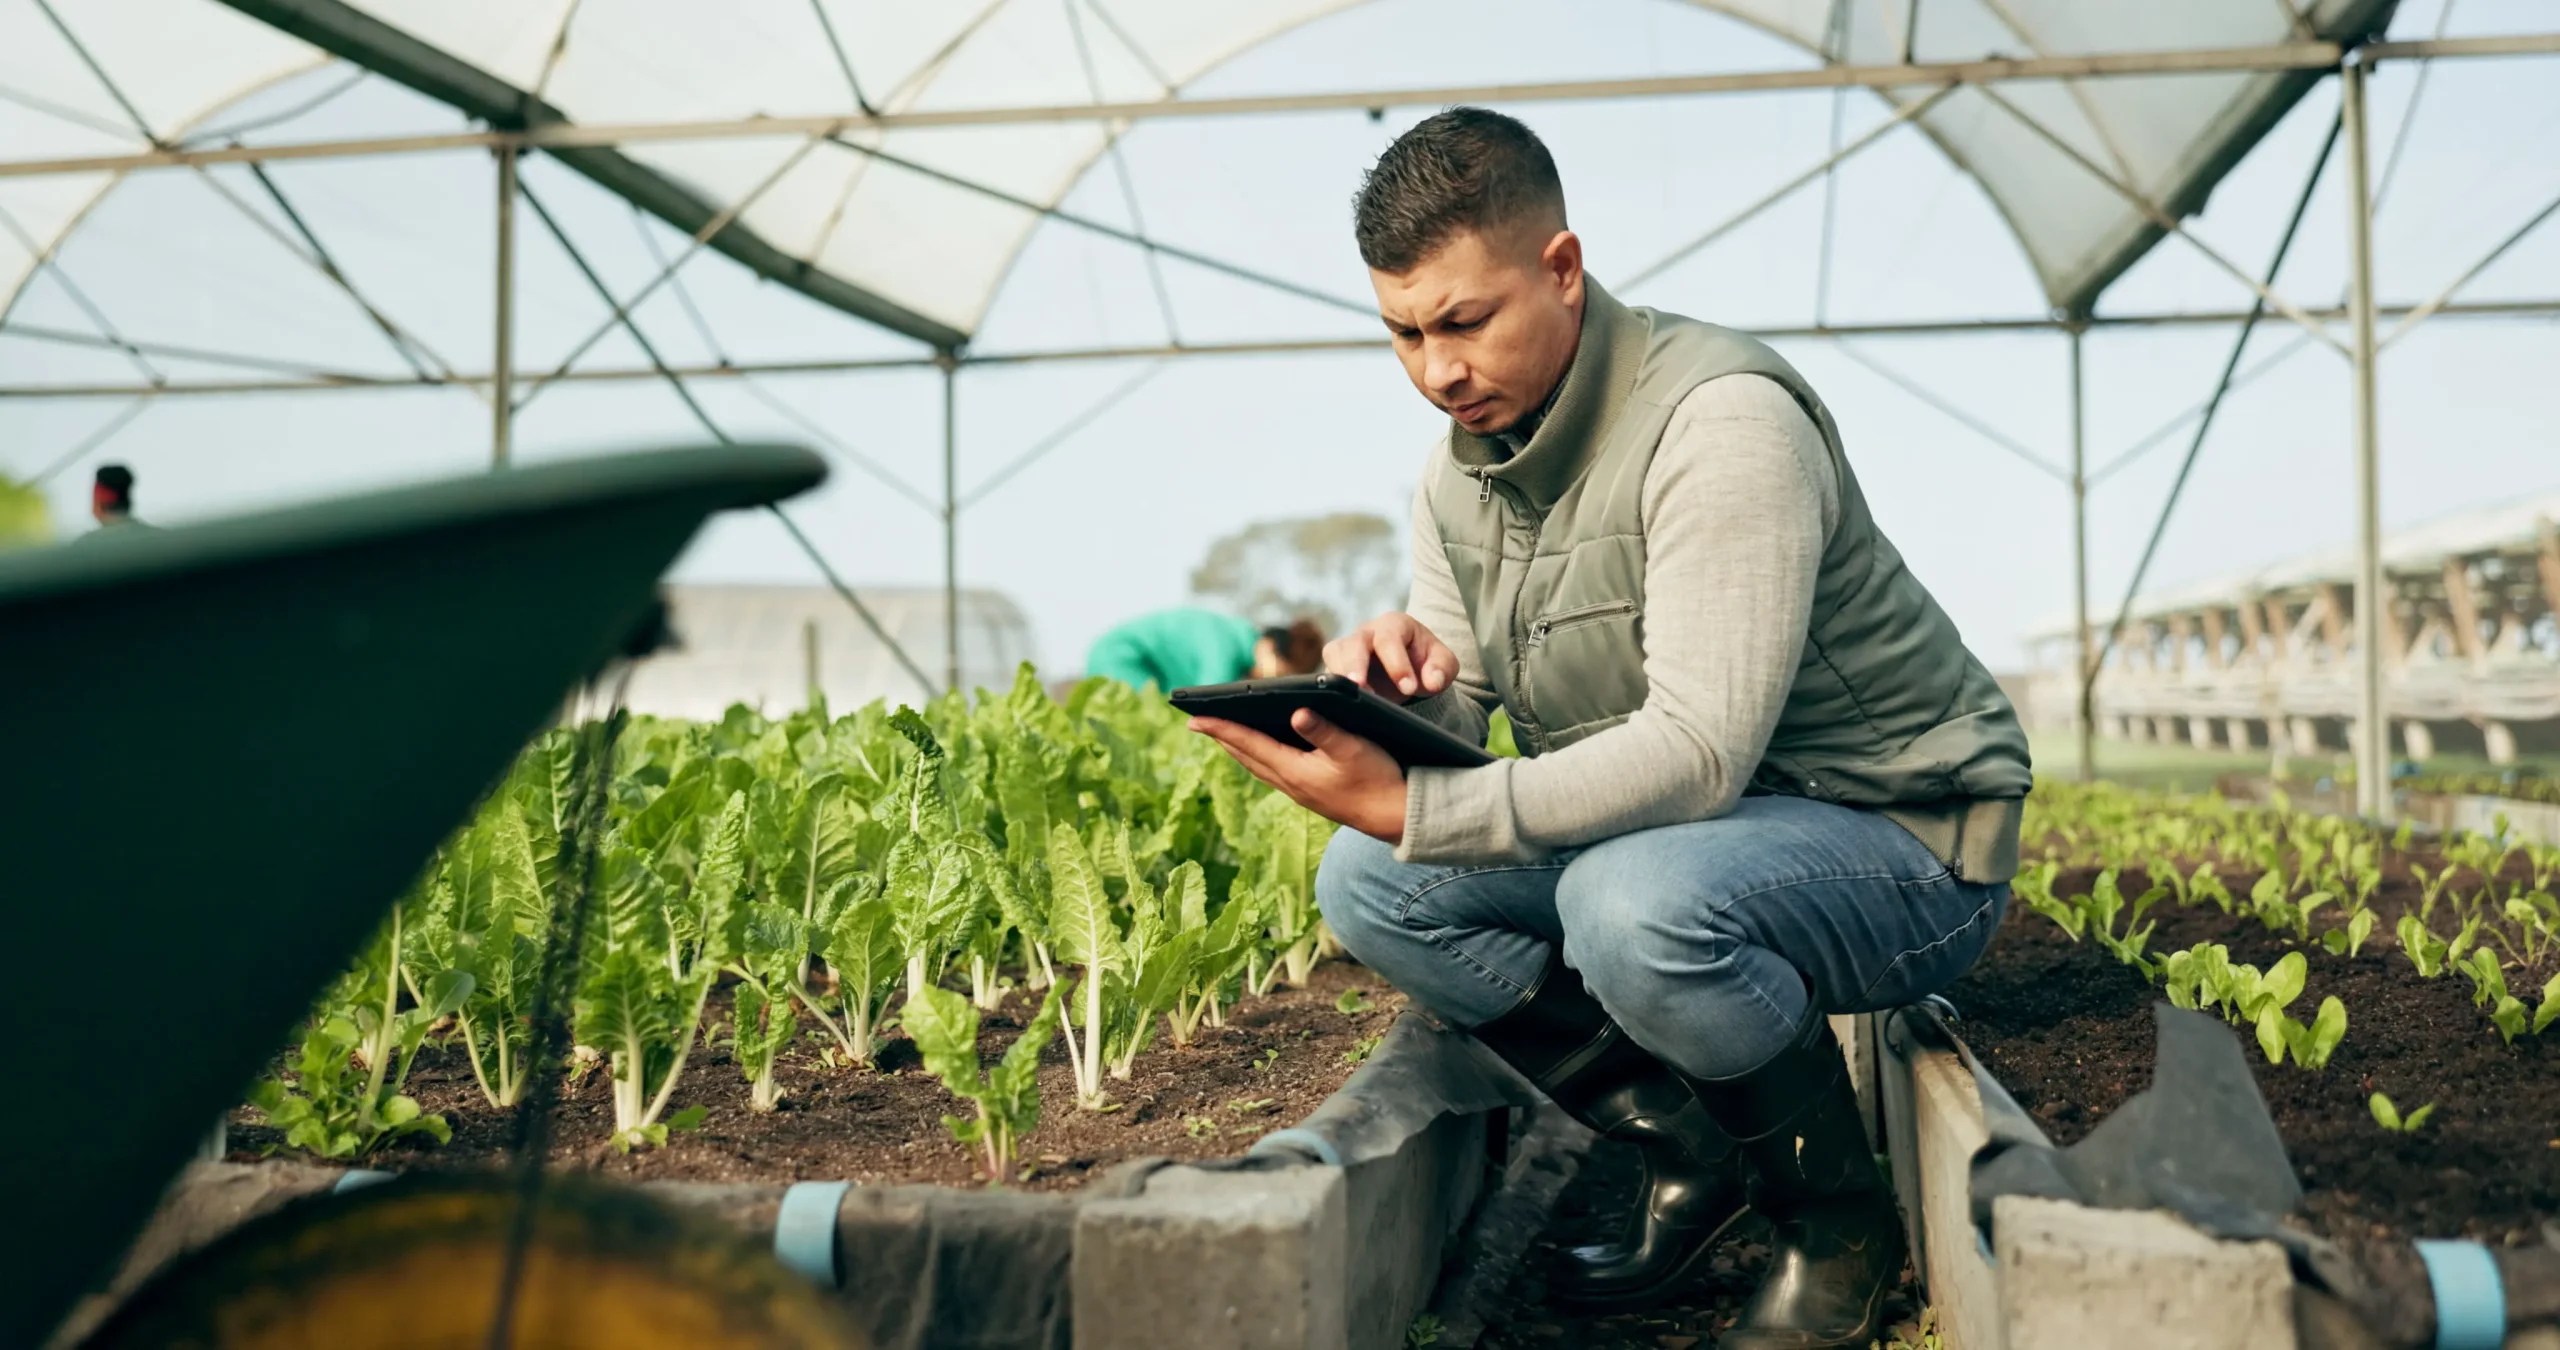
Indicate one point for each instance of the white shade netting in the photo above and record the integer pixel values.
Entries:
(917, 227)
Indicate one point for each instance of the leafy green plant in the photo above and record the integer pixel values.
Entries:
(669, 921)
(944, 1026)
(774, 948)
(1362, 1048)
(1080, 918)
(2350, 940)
(2423, 948)
(2388, 1117)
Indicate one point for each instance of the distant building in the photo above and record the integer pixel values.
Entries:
(763, 645)
(2470, 649)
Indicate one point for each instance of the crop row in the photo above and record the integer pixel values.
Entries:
(2482, 906)
(836, 874)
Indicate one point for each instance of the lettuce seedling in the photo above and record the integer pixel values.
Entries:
(2388, 1116)
(945, 1029)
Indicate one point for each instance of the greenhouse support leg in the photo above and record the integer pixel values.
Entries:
(951, 523)
(502, 391)
(2084, 715)
(2373, 745)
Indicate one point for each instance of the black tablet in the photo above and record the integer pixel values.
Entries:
(1267, 705)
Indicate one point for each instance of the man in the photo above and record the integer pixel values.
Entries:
(1764, 780)
(1175, 648)
(111, 496)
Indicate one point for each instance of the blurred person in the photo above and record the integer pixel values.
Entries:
(1763, 781)
(1176, 648)
(111, 496)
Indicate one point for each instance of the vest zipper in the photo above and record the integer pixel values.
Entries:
(1539, 628)
(1484, 485)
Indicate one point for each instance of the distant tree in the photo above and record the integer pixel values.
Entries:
(23, 516)
(1337, 569)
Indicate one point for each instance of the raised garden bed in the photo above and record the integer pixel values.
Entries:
(1277, 1058)
(2058, 1013)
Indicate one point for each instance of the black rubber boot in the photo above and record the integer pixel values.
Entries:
(1563, 1042)
(1836, 1243)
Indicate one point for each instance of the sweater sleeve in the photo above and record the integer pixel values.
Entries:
(1737, 505)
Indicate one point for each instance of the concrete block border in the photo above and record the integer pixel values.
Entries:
(1254, 1253)
(2055, 1273)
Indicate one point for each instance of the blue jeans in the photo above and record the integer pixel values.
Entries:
(1711, 943)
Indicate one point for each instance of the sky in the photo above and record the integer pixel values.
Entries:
(1110, 521)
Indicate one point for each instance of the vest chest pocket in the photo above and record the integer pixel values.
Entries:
(1545, 625)
(1585, 665)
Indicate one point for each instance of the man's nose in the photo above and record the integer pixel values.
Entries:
(1442, 369)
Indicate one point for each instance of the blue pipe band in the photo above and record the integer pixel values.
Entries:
(356, 1179)
(2471, 1301)
(804, 1233)
(1304, 1141)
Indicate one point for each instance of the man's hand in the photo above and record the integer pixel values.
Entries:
(1345, 779)
(1395, 656)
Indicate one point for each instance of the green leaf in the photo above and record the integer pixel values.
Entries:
(2271, 1033)
(2549, 1012)
(446, 992)
(2327, 1029)
(944, 1027)
(1080, 910)
(2417, 1118)
(688, 1119)
(1013, 1086)
(2360, 928)
(398, 1110)
(2510, 1018)
(2384, 1113)
(2421, 946)
(1352, 1001)
(2284, 980)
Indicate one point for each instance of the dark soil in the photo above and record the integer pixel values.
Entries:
(2069, 1032)
(1592, 1209)
(1208, 1100)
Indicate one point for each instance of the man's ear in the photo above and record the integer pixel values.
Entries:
(1561, 262)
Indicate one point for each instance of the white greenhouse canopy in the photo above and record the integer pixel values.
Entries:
(915, 227)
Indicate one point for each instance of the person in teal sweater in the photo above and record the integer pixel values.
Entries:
(1175, 648)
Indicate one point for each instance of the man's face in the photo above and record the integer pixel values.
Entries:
(1486, 325)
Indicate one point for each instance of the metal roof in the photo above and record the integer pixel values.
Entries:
(915, 228)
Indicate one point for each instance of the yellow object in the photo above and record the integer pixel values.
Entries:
(416, 1264)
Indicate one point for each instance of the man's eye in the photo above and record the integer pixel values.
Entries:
(1463, 325)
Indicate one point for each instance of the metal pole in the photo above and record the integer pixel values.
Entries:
(2373, 755)
(951, 522)
(502, 364)
(1988, 71)
(2085, 715)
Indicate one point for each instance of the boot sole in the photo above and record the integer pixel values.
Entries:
(1652, 1294)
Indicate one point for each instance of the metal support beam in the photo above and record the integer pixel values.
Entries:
(2085, 715)
(951, 523)
(502, 366)
(314, 381)
(2373, 748)
(2277, 57)
(1784, 190)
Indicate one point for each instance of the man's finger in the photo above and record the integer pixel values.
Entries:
(1439, 667)
(1328, 739)
(1399, 667)
(1348, 655)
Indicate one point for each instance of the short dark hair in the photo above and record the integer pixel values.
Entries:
(1460, 169)
(116, 477)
